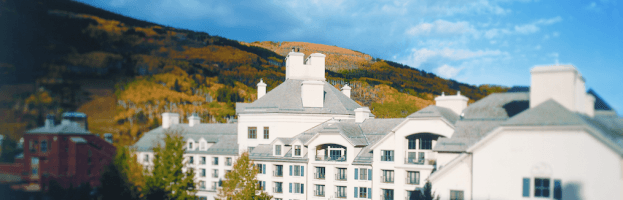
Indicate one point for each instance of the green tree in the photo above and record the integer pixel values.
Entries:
(426, 193)
(9, 150)
(116, 179)
(241, 182)
(168, 179)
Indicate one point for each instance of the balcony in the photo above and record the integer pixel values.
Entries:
(278, 173)
(387, 158)
(340, 177)
(319, 176)
(423, 158)
(319, 193)
(331, 158)
(277, 190)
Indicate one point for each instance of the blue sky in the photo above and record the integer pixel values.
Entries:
(472, 41)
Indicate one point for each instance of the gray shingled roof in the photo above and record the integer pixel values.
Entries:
(548, 113)
(466, 133)
(286, 98)
(374, 130)
(63, 128)
(435, 111)
(224, 135)
(498, 106)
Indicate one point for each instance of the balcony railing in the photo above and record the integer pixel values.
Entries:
(278, 173)
(343, 196)
(331, 158)
(420, 161)
(318, 193)
(319, 175)
(387, 197)
(387, 158)
(277, 190)
(411, 181)
(340, 177)
(385, 179)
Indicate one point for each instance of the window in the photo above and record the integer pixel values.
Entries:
(252, 132)
(89, 158)
(411, 143)
(387, 155)
(266, 134)
(190, 145)
(251, 149)
(297, 150)
(228, 161)
(278, 171)
(541, 187)
(278, 187)
(413, 177)
(34, 164)
(278, 150)
(412, 194)
(215, 161)
(456, 194)
(426, 143)
(319, 191)
(297, 188)
(388, 194)
(526, 187)
(203, 160)
(146, 158)
(44, 146)
(557, 189)
(202, 185)
(319, 173)
(340, 192)
(297, 170)
(203, 172)
(215, 173)
(341, 174)
(363, 174)
(388, 176)
(214, 185)
(261, 168)
(191, 160)
(89, 172)
(363, 192)
(262, 185)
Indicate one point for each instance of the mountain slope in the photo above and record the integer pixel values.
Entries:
(123, 73)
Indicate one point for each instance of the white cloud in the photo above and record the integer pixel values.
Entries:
(593, 7)
(537, 47)
(441, 27)
(555, 34)
(419, 56)
(447, 71)
(526, 29)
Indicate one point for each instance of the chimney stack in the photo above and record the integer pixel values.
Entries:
(563, 83)
(361, 114)
(49, 121)
(193, 120)
(456, 103)
(261, 89)
(108, 137)
(312, 94)
(346, 90)
(169, 119)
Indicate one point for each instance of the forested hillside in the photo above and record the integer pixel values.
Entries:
(59, 56)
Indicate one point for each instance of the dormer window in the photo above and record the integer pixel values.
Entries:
(190, 145)
(277, 150)
(297, 150)
(202, 145)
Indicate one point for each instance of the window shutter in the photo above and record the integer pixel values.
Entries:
(302, 170)
(290, 170)
(526, 187)
(369, 174)
(369, 193)
(302, 190)
(356, 188)
(263, 168)
(557, 189)
(264, 185)
(356, 173)
(290, 187)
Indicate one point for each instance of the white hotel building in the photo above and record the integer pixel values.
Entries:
(552, 140)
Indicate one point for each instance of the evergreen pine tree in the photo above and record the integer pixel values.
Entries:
(118, 180)
(241, 182)
(168, 179)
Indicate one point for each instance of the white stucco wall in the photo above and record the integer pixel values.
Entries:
(457, 177)
(444, 158)
(575, 157)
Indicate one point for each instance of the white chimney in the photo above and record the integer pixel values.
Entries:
(456, 103)
(312, 94)
(261, 89)
(169, 119)
(590, 105)
(312, 69)
(563, 83)
(346, 90)
(49, 121)
(194, 120)
(361, 114)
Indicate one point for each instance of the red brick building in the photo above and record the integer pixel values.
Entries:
(67, 153)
